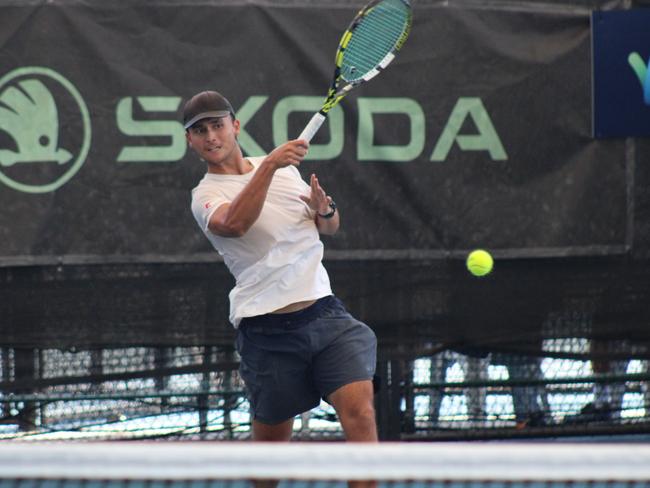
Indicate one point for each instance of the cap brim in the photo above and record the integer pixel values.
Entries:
(206, 115)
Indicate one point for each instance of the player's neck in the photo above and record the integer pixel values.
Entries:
(236, 165)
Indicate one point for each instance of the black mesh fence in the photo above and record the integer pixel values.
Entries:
(495, 372)
(196, 393)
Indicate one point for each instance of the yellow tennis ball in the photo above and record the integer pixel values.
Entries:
(479, 262)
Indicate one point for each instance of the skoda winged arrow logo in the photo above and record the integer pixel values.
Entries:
(30, 116)
(642, 71)
(38, 153)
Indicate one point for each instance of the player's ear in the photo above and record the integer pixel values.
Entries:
(236, 125)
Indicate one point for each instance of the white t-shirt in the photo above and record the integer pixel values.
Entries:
(278, 261)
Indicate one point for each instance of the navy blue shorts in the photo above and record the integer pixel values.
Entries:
(290, 361)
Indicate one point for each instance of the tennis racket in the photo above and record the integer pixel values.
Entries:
(368, 45)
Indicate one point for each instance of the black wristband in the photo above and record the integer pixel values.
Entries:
(331, 213)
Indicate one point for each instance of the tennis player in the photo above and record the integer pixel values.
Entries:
(296, 340)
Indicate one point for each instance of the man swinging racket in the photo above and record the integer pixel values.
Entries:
(296, 340)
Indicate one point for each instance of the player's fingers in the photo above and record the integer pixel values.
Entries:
(319, 189)
(301, 143)
(298, 154)
(295, 149)
(317, 186)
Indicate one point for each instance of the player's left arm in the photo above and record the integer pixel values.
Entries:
(319, 202)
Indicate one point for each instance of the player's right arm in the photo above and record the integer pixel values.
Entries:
(234, 219)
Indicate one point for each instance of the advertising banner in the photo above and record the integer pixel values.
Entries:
(477, 135)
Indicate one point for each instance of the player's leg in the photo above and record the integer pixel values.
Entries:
(354, 406)
(277, 378)
(272, 432)
(343, 368)
(262, 432)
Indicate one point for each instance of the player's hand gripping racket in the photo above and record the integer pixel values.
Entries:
(369, 45)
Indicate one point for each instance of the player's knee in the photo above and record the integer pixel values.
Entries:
(359, 411)
(280, 432)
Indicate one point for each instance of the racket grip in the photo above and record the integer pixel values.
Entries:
(312, 127)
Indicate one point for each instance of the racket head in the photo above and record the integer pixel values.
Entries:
(373, 38)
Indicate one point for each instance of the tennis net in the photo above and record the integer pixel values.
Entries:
(322, 465)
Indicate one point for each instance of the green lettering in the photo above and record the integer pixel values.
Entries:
(368, 151)
(245, 113)
(148, 128)
(486, 140)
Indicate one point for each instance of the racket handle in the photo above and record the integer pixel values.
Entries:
(312, 127)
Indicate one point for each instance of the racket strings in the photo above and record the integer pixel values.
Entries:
(375, 36)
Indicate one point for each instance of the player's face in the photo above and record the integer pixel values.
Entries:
(214, 140)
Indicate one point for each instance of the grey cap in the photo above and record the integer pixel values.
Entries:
(205, 105)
